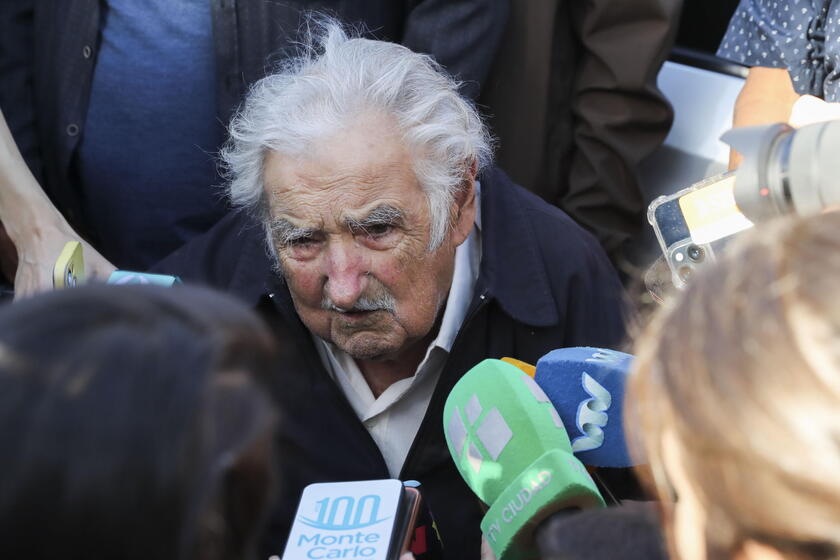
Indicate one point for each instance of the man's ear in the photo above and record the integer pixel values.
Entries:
(464, 206)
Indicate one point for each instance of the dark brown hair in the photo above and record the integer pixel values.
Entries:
(134, 424)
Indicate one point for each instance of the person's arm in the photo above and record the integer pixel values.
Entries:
(462, 35)
(766, 97)
(32, 231)
(35, 227)
(620, 116)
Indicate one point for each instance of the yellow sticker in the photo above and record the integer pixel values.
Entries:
(524, 366)
(711, 212)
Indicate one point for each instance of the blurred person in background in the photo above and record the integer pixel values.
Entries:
(119, 107)
(574, 101)
(134, 424)
(793, 52)
(736, 396)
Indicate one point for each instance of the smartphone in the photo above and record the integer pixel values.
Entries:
(370, 520)
(409, 519)
(695, 223)
(69, 269)
(425, 542)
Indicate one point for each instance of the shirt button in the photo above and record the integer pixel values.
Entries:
(72, 129)
(87, 51)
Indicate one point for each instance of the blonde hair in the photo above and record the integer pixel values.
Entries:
(744, 369)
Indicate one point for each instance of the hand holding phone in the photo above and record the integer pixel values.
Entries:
(69, 271)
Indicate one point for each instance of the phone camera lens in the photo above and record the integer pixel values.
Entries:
(695, 253)
(684, 273)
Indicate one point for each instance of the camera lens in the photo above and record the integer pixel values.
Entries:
(684, 273)
(695, 253)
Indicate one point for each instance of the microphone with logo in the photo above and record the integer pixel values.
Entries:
(586, 386)
(510, 446)
(362, 520)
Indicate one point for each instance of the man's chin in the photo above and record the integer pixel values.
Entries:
(367, 346)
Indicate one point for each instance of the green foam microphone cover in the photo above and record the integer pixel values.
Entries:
(510, 446)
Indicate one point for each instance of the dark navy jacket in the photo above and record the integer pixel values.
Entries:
(544, 283)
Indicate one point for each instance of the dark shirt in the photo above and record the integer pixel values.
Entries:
(789, 34)
(574, 103)
(146, 159)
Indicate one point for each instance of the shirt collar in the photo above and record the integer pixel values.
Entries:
(464, 275)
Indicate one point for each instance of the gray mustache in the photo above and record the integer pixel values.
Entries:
(379, 302)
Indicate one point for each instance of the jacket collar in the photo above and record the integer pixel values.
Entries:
(512, 270)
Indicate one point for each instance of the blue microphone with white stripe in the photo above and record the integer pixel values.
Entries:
(586, 385)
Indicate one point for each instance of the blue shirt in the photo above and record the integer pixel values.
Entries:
(146, 157)
(780, 34)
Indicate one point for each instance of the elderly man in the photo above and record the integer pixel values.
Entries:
(397, 259)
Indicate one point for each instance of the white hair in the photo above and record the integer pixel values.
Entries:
(335, 78)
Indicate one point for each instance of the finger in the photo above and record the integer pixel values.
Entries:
(486, 551)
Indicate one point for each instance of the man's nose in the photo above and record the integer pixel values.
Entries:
(346, 274)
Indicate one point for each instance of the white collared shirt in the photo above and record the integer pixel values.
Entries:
(394, 418)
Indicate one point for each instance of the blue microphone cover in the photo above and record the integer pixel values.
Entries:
(586, 385)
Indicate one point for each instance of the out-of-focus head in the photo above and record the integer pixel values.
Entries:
(360, 157)
(737, 396)
(134, 424)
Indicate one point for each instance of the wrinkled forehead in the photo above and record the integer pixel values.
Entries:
(357, 167)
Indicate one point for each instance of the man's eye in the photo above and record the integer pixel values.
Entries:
(302, 242)
(378, 230)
